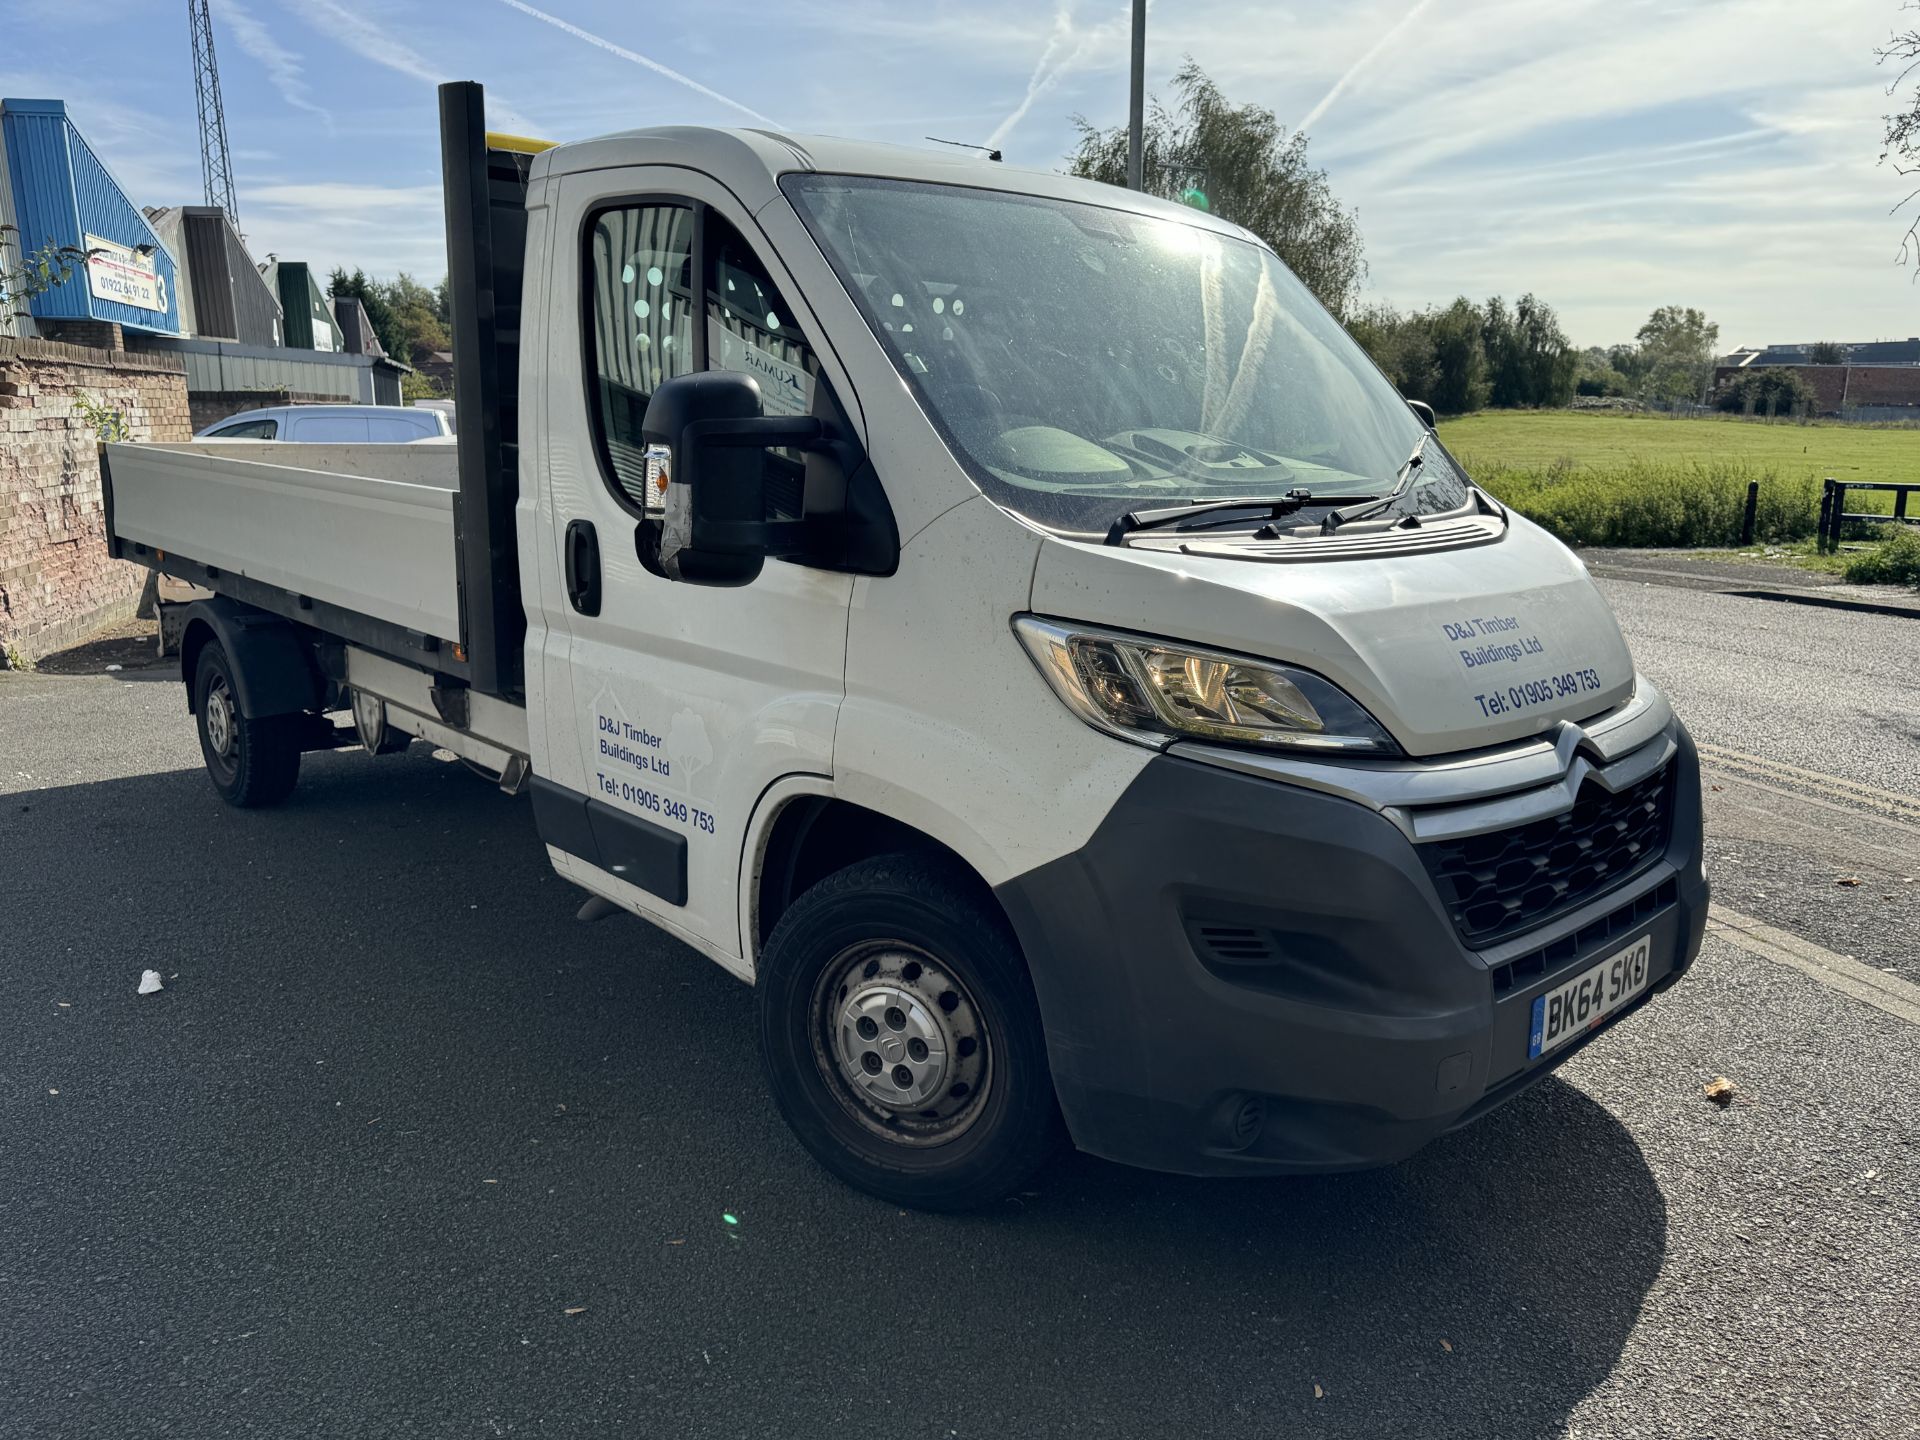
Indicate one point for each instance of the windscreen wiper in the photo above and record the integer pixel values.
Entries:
(1153, 519)
(1401, 482)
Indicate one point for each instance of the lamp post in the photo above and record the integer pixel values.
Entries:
(1136, 99)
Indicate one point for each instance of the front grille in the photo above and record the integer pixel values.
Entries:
(1508, 881)
(1571, 950)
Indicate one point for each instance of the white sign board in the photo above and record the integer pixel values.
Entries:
(125, 276)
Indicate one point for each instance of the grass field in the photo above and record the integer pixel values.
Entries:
(1536, 439)
(1609, 479)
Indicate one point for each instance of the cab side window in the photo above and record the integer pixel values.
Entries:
(750, 328)
(639, 326)
(248, 430)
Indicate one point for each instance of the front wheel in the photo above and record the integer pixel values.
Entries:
(902, 1039)
(252, 762)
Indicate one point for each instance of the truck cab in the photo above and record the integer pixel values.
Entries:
(1006, 621)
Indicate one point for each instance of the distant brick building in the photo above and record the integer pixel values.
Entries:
(1852, 392)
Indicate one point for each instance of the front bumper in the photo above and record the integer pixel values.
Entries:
(1239, 975)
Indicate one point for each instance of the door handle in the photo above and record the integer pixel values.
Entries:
(583, 567)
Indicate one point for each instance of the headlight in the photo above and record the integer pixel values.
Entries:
(1150, 691)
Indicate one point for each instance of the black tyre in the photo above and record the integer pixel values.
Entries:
(252, 762)
(902, 1039)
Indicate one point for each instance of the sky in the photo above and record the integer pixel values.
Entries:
(1608, 155)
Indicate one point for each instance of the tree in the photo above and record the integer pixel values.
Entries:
(1826, 352)
(1530, 361)
(1900, 145)
(1631, 362)
(405, 313)
(1770, 390)
(416, 318)
(1596, 374)
(1251, 172)
(1459, 359)
(1676, 353)
(416, 385)
(1430, 355)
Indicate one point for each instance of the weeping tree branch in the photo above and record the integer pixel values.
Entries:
(1252, 170)
(1901, 143)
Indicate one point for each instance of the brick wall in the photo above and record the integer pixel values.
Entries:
(1839, 388)
(57, 584)
(1884, 385)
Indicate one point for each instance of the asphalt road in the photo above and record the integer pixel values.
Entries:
(1808, 720)
(396, 1114)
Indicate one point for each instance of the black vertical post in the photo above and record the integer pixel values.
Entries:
(1136, 97)
(483, 518)
(1826, 509)
(1752, 512)
(1900, 504)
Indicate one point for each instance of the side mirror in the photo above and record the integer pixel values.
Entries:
(1425, 412)
(706, 476)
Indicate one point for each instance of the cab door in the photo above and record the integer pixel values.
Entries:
(687, 701)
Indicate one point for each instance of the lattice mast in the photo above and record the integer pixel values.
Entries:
(216, 166)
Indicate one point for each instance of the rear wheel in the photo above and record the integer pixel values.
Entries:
(252, 762)
(902, 1039)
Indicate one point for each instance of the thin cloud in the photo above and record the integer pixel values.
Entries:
(636, 58)
(382, 47)
(1065, 49)
(349, 198)
(1042, 72)
(281, 64)
(1353, 70)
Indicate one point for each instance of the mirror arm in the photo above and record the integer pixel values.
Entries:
(799, 432)
(795, 432)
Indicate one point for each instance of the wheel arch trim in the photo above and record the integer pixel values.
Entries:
(273, 671)
(764, 824)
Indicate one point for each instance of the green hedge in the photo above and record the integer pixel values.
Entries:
(1656, 503)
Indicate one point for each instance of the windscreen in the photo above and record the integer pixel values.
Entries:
(1086, 362)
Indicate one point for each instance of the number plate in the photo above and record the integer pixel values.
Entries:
(1588, 998)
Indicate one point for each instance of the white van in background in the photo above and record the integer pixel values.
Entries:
(333, 424)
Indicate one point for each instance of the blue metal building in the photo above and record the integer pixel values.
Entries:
(62, 194)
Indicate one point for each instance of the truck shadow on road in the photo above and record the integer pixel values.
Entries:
(397, 1114)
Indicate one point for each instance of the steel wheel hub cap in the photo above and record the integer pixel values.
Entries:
(903, 1039)
(892, 1047)
(220, 719)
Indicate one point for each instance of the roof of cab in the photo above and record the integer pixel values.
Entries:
(751, 162)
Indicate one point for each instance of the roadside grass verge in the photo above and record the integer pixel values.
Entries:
(1651, 481)
(1683, 504)
(1895, 561)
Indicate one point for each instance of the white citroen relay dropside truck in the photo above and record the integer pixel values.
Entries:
(1000, 617)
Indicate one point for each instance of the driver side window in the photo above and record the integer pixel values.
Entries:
(751, 329)
(640, 318)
